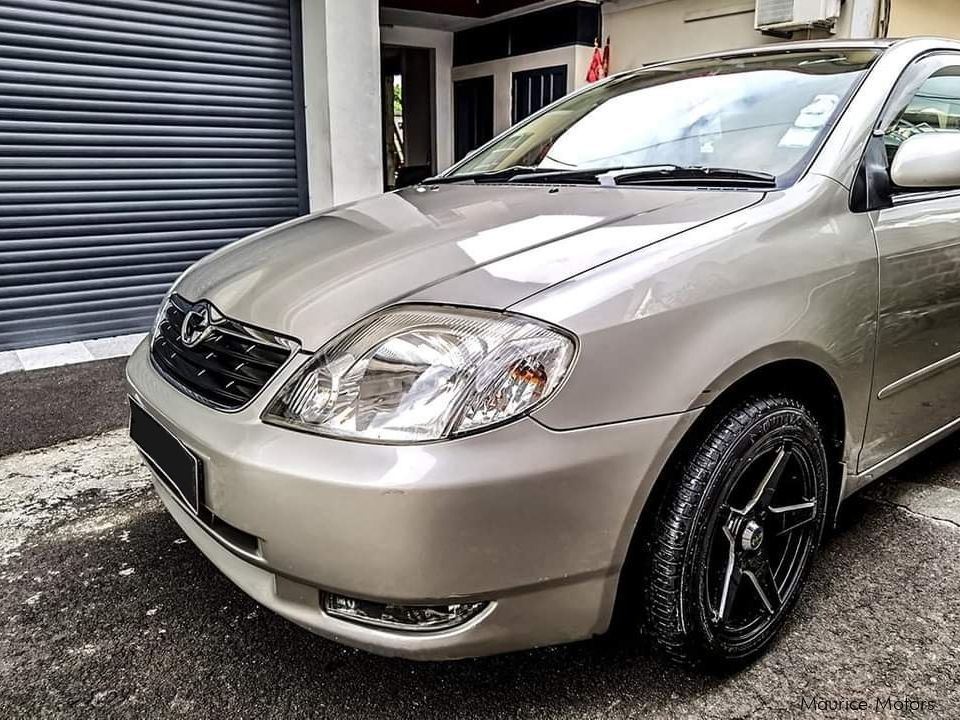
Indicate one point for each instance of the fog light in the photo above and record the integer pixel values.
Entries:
(412, 618)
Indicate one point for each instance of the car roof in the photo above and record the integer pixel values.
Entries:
(880, 44)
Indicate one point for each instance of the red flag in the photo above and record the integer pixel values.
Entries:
(596, 65)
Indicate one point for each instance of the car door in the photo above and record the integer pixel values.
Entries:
(917, 376)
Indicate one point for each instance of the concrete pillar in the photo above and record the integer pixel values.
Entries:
(341, 89)
(862, 16)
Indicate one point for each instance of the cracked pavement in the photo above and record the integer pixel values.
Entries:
(107, 611)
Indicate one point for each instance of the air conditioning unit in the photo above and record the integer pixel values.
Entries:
(787, 15)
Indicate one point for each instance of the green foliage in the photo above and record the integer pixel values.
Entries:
(397, 99)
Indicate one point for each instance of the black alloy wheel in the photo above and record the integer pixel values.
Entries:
(736, 532)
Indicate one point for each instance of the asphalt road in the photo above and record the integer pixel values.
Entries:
(106, 611)
(42, 407)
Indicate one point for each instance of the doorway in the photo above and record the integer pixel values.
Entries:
(409, 102)
(473, 114)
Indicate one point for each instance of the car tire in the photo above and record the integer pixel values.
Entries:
(735, 533)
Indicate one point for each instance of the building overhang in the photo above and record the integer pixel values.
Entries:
(454, 15)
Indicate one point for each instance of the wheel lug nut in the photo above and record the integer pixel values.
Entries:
(752, 537)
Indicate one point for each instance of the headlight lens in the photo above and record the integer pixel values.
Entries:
(420, 373)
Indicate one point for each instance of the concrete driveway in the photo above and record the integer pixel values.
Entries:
(107, 611)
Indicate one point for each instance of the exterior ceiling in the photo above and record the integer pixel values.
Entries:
(478, 9)
(456, 15)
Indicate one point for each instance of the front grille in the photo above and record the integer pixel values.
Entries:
(227, 367)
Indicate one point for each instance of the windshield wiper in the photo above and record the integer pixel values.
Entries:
(651, 174)
(524, 173)
(672, 174)
(488, 176)
(617, 175)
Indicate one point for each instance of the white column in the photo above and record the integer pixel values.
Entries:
(341, 89)
(863, 16)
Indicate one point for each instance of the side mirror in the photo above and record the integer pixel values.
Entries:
(928, 160)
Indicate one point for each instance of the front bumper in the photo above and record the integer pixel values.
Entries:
(534, 521)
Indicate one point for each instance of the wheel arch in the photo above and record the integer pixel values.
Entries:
(803, 371)
(766, 372)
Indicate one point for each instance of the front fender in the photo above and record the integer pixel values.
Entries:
(667, 328)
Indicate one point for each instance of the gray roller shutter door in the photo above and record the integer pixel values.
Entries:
(136, 136)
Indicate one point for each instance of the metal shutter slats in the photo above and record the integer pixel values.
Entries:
(151, 147)
(123, 314)
(170, 16)
(120, 217)
(109, 264)
(213, 8)
(125, 107)
(112, 302)
(136, 136)
(56, 194)
(113, 73)
(43, 22)
(39, 127)
(121, 140)
(135, 82)
(146, 163)
(92, 119)
(133, 244)
(264, 10)
(121, 324)
(150, 266)
(29, 209)
(138, 174)
(136, 184)
(70, 297)
(66, 90)
(136, 54)
(75, 235)
(27, 54)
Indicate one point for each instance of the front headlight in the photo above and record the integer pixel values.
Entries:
(420, 373)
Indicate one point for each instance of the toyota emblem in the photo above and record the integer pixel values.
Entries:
(196, 326)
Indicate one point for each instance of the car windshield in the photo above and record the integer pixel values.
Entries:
(763, 112)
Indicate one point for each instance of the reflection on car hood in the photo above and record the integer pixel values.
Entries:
(482, 245)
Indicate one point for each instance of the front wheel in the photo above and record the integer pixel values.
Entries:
(735, 533)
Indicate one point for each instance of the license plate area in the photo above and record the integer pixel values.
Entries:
(178, 468)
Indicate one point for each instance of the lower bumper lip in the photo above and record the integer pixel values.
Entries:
(516, 517)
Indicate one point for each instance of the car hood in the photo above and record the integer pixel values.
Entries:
(474, 244)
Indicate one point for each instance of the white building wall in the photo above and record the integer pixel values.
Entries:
(925, 17)
(645, 31)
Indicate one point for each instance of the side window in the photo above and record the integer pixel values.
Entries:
(935, 107)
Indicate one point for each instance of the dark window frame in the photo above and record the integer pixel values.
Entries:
(553, 72)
